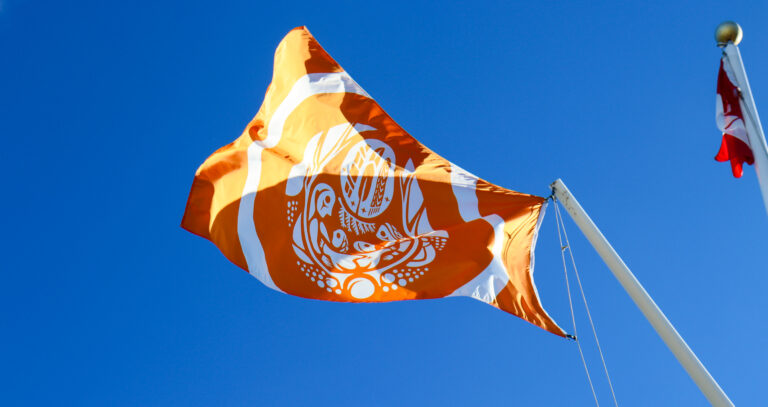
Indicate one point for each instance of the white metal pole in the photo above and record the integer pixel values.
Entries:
(660, 323)
(751, 119)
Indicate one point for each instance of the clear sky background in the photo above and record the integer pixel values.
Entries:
(108, 108)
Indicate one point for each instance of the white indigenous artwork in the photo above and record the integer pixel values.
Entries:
(367, 232)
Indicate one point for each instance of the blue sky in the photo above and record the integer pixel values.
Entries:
(107, 109)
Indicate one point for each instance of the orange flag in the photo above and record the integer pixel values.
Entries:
(324, 196)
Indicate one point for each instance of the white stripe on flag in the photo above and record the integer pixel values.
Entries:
(486, 285)
(305, 87)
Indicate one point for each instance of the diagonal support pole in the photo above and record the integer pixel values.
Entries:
(648, 307)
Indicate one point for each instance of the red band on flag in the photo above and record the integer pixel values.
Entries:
(737, 152)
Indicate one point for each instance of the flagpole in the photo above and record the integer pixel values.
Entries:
(653, 314)
(728, 36)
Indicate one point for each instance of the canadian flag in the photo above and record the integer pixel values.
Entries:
(730, 119)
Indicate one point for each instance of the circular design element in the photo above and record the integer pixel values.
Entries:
(368, 178)
(402, 282)
(361, 288)
(388, 277)
(728, 31)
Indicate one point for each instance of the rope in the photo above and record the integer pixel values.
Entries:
(570, 303)
(584, 298)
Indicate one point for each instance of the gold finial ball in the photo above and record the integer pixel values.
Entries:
(728, 31)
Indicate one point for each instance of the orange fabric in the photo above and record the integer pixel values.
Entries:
(350, 207)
